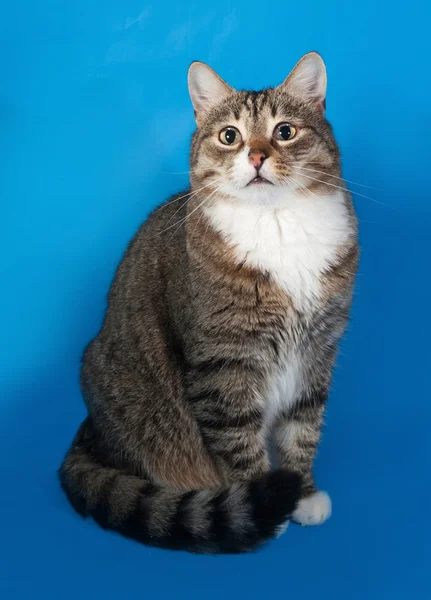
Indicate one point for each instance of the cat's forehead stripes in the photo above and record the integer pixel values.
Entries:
(242, 105)
(254, 101)
(255, 109)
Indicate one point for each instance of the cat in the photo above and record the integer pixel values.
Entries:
(221, 331)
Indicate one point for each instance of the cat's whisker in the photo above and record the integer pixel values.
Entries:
(342, 189)
(305, 191)
(289, 183)
(336, 177)
(184, 219)
(189, 195)
(183, 172)
(165, 204)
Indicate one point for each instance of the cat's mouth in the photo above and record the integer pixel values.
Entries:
(259, 181)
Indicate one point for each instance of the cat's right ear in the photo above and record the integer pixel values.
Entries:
(206, 89)
(307, 81)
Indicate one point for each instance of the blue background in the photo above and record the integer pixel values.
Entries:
(95, 124)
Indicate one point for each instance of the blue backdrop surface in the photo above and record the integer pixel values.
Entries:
(96, 122)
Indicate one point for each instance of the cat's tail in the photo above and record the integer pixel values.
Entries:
(237, 519)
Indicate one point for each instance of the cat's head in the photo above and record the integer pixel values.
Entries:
(260, 146)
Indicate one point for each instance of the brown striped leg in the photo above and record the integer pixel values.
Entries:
(297, 436)
(224, 402)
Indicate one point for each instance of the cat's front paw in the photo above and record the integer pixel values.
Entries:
(313, 510)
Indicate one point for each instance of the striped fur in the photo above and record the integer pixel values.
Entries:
(221, 334)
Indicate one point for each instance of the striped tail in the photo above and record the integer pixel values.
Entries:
(237, 519)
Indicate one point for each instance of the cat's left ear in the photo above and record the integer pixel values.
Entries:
(206, 89)
(307, 80)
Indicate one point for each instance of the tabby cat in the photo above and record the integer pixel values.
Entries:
(221, 331)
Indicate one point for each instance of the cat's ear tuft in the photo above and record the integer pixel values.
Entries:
(206, 88)
(307, 80)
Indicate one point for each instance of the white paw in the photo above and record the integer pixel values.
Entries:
(281, 529)
(313, 510)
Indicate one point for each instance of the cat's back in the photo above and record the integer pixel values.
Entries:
(138, 294)
(156, 251)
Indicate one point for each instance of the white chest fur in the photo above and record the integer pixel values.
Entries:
(295, 241)
(283, 390)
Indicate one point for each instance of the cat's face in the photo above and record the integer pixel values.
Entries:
(261, 146)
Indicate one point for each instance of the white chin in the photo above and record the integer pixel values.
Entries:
(261, 193)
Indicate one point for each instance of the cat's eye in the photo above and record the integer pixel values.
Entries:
(284, 132)
(230, 136)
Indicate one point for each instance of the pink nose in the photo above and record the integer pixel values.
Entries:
(256, 158)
